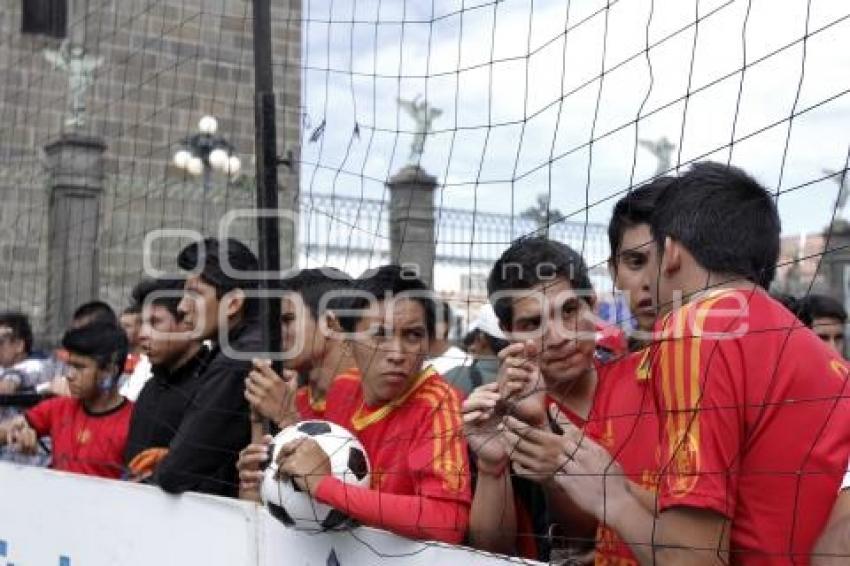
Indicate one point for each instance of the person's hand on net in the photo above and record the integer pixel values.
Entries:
(481, 417)
(571, 460)
(305, 462)
(272, 395)
(591, 477)
(250, 466)
(521, 383)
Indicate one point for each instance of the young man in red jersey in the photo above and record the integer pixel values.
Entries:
(313, 347)
(754, 422)
(405, 415)
(89, 429)
(543, 298)
(622, 416)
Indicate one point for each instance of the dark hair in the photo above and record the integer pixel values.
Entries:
(133, 308)
(19, 324)
(529, 262)
(385, 282)
(205, 257)
(634, 209)
(94, 311)
(724, 218)
(104, 342)
(163, 292)
(496, 344)
(314, 284)
(820, 306)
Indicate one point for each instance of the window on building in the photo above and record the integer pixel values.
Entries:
(46, 17)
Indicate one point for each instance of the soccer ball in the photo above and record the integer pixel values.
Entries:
(296, 508)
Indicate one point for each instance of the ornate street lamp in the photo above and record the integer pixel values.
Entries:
(201, 153)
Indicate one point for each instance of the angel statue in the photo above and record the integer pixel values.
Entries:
(662, 149)
(80, 68)
(424, 115)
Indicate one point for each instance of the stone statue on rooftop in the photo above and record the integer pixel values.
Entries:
(80, 67)
(662, 149)
(423, 115)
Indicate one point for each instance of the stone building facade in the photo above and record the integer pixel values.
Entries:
(163, 65)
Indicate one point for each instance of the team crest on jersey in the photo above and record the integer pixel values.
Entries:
(839, 367)
(83, 436)
(685, 465)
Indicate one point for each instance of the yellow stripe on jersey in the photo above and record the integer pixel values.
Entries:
(684, 435)
(680, 328)
(360, 420)
(447, 451)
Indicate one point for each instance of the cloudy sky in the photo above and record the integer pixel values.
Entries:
(518, 82)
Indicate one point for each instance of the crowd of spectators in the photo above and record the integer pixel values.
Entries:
(716, 427)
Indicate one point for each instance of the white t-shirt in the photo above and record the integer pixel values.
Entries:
(451, 358)
(133, 384)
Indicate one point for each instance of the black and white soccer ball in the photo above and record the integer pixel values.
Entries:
(296, 508)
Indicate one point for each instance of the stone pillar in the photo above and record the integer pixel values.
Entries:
(412, 220)
(75, 167)
(835, 263)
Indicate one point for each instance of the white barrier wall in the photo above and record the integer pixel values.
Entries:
(54, 519)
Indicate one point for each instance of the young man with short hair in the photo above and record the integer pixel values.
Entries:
(89, 429)
(19, 373)
(826, 317)
(216, 305)
(93, 311)
(404, 414)
(177, 359)
(543, 298)
(313, 347)
(732, 377)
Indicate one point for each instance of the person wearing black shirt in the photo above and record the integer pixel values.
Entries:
(176, 361)
(218, 307)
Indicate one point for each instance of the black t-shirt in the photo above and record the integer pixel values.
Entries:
(161, 405)
(202, 455)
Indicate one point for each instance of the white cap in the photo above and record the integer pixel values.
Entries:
(487, 322)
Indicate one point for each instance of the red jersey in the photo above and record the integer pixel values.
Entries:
(308, 408)
(83, 442)
(755, 422)
(416, 449)
(624, 421)
(612, 340)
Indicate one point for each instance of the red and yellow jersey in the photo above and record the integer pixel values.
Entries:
(754, 419)
(415, 444)
(612, 341)
(624, 421)
(83, 442)
(308, 407)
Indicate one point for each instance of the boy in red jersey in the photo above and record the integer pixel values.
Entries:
(543, 298)
(755, 428)
(406, 416)
(622, 417)
(313, 347)
(89, 429)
